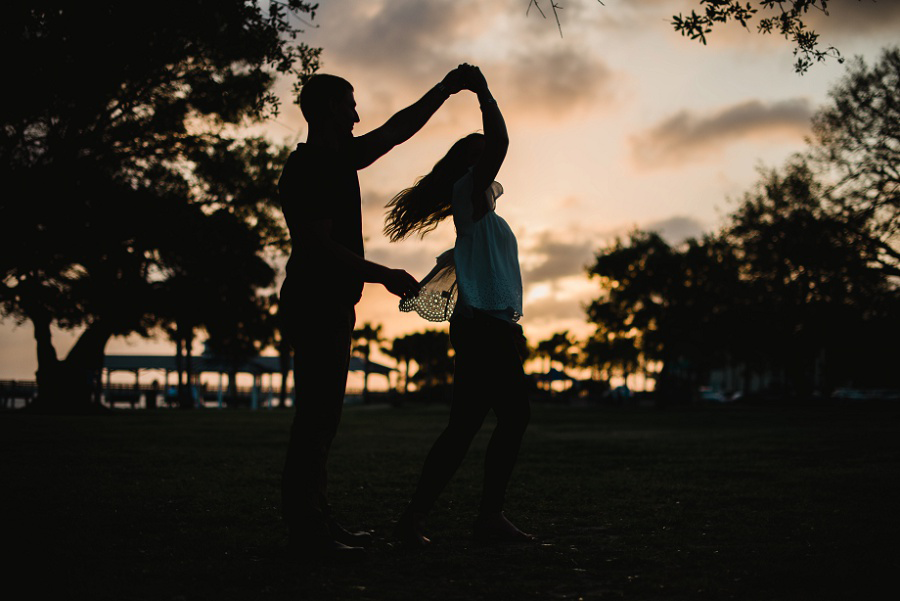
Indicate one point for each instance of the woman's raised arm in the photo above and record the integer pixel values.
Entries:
(496, 140)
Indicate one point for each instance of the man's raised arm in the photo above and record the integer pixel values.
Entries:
(405, 123)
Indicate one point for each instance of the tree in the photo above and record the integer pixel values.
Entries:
(608, 355)
(638, 279)
(664, 310)
(786, 289)
(98, 154)
(781, 17)
(216, 275)
(786, 18)
(282, 345)
(542, 350)
(365, 337)
(814, 290)
(431, 351)
(558, 348)
(401, 350)
(856, 148)
(238, 331)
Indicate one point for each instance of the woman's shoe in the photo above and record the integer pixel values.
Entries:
(344, 536)
(325, 551)
(497, 529)
(410, 532)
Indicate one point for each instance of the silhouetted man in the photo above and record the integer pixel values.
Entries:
(320, 197)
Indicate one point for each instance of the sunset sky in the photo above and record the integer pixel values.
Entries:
(620, 123)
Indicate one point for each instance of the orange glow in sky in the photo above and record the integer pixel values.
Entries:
(619, 123)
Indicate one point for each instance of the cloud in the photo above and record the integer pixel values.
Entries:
(686, 136)
(678, 229)
(557, 82)
(554, 310)
(399, 35)
(392, 51)
(551, 256)
(556, 258)
(855, 18)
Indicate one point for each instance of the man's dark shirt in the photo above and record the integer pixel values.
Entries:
(320, 183)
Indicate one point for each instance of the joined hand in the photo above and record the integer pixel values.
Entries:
(461, 78)
(473, 79)
(399, 283)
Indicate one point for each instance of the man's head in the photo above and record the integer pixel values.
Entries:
(328, 99)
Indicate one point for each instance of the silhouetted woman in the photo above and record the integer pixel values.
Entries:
(488, 372)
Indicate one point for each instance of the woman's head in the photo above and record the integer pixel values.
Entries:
(462, 155)
(421, 207)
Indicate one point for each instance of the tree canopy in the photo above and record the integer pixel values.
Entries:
(799, 290)
(856, 149)
(787, 18)
(124, 130)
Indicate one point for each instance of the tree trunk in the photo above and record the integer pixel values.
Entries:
(406, 378)
(68, 386)
(179, 363)
(48, 372)
(232, 385)
(284, 356)
(365, 390)
(186, 398)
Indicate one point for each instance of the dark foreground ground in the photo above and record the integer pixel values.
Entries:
(723, 502)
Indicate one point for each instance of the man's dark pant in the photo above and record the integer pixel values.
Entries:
(320, 336)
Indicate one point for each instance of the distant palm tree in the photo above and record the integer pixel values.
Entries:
(431, 350)
(542, 351)
(625, 355)
(597, 355)
(238, 330)
(284, 367)
(366, 336)
(401, 350)
(559, 350)
(282, 345)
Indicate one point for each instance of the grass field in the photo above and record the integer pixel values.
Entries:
(724, 502)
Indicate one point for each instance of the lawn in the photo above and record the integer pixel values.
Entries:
(714, 502)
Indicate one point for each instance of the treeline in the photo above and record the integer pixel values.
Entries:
(131, 204)
(797, 294)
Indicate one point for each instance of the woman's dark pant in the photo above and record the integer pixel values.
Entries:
(487, 375)
(320, 337)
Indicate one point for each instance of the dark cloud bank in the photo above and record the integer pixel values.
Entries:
(686, 135)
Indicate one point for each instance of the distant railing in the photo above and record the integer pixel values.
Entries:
(17, 393)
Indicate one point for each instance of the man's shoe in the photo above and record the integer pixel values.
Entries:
(350, 539)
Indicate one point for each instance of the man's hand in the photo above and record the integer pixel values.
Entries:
(400, 283)
(455, 80)
(474, 80)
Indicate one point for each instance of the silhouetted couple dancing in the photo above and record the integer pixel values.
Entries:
(320, 195)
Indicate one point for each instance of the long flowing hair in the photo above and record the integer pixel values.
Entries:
(422, 207)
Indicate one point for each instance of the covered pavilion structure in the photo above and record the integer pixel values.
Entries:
(262, 368)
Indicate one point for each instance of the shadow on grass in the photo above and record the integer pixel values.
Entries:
(715, 502)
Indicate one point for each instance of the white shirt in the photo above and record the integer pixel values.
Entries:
(486, 255)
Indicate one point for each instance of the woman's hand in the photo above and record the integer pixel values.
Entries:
(399, 283)
(456, 79)
(474, 80)
(465, 77)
